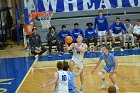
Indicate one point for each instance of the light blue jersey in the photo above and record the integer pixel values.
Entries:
(71, 84)
(109, 60)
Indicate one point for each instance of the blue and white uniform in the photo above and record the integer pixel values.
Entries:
(71, 84)
(78, 56)
(109, 60)
(62, 82)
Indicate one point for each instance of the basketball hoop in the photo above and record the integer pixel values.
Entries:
(44, 17)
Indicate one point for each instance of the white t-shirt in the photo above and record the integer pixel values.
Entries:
(137, 29)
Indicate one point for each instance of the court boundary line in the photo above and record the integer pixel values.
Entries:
(26, 75)
(89, 65)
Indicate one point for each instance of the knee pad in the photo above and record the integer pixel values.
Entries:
(101, 75)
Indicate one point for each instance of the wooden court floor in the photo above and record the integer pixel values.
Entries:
(128, 76)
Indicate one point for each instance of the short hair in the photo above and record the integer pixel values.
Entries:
(76, 24)
(106, 46)
(90, 23)
(65, 65)
(127, 20)
(118, 18)
(138, 20)
(34, 29)
(52, 27)
(100, 11)
(59, 65)
(63, 26)
(112, 89)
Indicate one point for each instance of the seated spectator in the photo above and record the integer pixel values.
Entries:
(112, 89)
(128, 36)
(116, 31)
(136, 32)
(52, 38)
(90, 35)
(35, 44)
(76, 31)
(62, 34)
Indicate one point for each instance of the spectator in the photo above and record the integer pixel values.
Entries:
(35, 43)
(52, 38)
(112, 89)
(76, 31)
(101, 24)
(62, 34)
(136, 32)
(116, 31)
(128, 36)
(90, 35)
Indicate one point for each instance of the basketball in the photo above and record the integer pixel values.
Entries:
(68, 39)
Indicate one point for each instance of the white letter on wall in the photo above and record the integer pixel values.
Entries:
(52, 2)
(106, 3)
(119, 2)
(85, 5)
(30, 4)
(132, 3)
(66, 5)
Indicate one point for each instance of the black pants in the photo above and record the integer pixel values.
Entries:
(59, 45)
(89, 40)
(34, 52)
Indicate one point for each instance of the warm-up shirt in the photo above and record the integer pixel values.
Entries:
(117, 28)
(63, 34)
(89, 32)
(76, 32)
(101, 23)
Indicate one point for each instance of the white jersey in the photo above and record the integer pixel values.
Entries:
(62, 82)
(77, 55)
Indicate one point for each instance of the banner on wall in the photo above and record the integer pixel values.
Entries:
(78, 5)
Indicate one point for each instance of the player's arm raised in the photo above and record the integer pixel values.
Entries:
(83, 49)
(69, 47)
(52, 82)
(94, 68)
(116, 66)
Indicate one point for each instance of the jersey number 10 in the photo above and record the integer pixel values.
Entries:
(64, 77)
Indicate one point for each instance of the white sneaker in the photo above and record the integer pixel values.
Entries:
(117, 88)
(121, 49)
(105, 83)
(112, 49)
(81, 89)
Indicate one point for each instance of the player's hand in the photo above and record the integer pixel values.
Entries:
(115, 71)
(43, 85)
(74, 45)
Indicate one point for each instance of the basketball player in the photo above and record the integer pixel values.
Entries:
(79, 49)
(71, 83)
(112, 89)
(60, 80)
(111, 67)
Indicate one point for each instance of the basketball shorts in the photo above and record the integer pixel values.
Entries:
(101, 33)
(61, 92)
(78, 63)
(73, 90)
(116, 35)
(109, 69)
